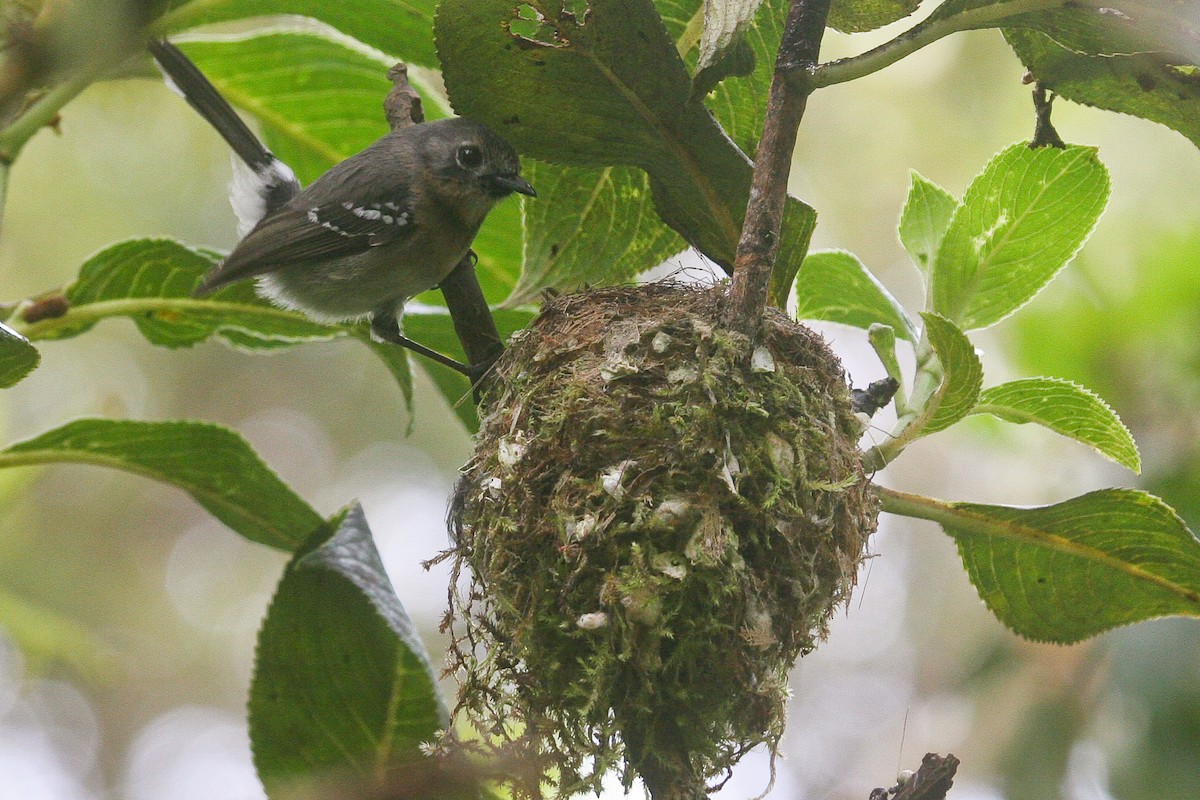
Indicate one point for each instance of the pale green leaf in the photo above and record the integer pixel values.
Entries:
(834, 286)
(1021, 221)
(1066, 408)
(343, 689)
(151, 281)
(401, 28)
(318, 101)
(852, 16)
(216, 466)
(923, 222)
(1066, 572)
(962, 375)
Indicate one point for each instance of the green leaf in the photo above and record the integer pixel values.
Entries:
(1089, 27)
(400, 28)
(834, 286)
(214, 465)
(853, 16)
(724, 22)
(1067, 408)
(17, 357)
(343, 689)
(962, 375)
(589, 227)
(1021, 221)
(1065, 572)
(318, 101)
(522, 74)
(923, 222)
(1118, 27)
(684, 20)
(499, 248)
(1153, 86)
(151, 281)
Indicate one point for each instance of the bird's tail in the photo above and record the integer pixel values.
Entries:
(186, 79)
(261, 183)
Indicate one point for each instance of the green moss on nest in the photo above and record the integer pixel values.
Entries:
(656, 530)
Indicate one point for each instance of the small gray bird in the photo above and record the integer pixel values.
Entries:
(375, 230)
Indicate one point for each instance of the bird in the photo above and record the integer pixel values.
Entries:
(375, 230)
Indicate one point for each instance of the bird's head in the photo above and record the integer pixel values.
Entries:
(472, 158)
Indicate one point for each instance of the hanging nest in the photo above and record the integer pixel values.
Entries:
(656, 528)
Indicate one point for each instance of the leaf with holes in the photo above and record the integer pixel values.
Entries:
(923, 222)
(854, 16)
(17, 357)
(1066, 408)
(343, 687)
(834, 286)
(1021, 221)
(1066, 572)
(407, 34)
(213, 464)
(1154, 86)
(962, 375)
(589, 227)
(521, 73)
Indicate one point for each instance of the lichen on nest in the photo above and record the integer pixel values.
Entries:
(656, 527)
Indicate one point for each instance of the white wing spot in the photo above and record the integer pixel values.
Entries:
(312, 216)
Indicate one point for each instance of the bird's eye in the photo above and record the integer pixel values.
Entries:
(469, 156)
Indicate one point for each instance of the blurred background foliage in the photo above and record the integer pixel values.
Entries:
(130, 613)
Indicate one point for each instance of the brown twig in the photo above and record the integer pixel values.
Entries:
(931, 782)
(759, 245)
(1044, 134)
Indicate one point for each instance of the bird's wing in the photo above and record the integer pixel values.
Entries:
(300, 233)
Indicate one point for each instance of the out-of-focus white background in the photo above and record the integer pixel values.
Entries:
(163, 603)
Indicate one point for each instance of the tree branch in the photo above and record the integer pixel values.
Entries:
(790, 87)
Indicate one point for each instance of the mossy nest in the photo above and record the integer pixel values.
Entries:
(657, 525)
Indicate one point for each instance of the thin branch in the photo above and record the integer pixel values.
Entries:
(920, 35)
(790, 87)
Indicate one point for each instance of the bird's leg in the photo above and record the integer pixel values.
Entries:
(386, 328)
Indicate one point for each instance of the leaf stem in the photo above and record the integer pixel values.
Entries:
(917, 409)
(759, 244)
(923, 33)
(39, 115)
(905, 504)
(89, 313)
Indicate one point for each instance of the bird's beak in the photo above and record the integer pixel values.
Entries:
(512, 183)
